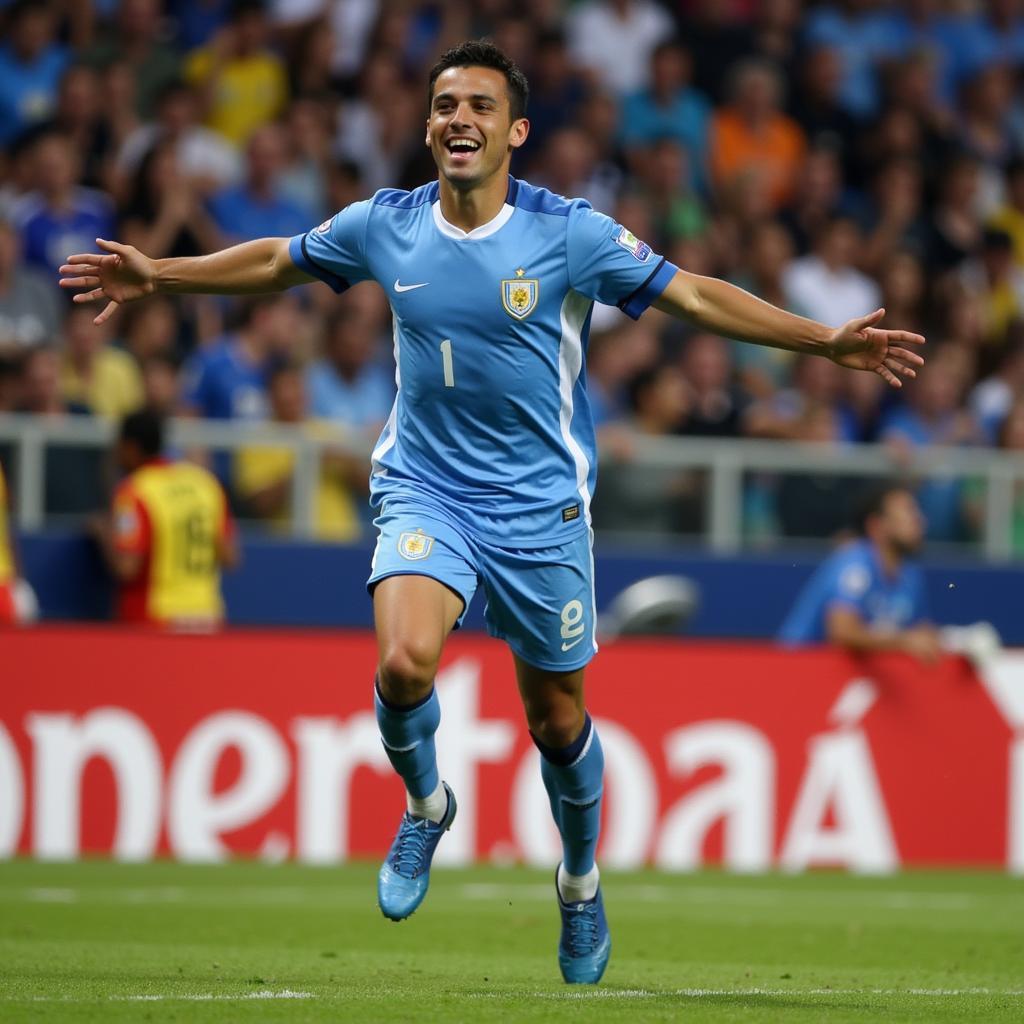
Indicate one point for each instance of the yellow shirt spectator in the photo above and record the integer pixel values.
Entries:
(112, 385)
(261, 469)
(244, 92)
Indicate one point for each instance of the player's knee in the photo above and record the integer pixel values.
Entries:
(407, 671)
(556, 725)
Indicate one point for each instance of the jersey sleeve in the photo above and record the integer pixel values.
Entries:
(608, 263)
(335, 252)
(131, 523)
(848, 586)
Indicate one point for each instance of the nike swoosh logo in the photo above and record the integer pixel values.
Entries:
(408, 287)
(569, 647)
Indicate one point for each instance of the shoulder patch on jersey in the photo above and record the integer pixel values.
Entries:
(854, 580)
(414, 545)
(325, 227)
(519, 295)
(638, 250)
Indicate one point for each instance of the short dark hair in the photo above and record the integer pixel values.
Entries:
(481, 53)
(146, 429)
(871, 501)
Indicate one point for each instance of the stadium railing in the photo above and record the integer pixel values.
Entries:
(24, 439)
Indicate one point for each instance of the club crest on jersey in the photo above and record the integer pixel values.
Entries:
(519, 295)
(637, 249)
(415, 546)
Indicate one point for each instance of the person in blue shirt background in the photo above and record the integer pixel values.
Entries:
(870, 595)
(485, 467)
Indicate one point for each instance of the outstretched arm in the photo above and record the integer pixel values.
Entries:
(725, 309)
(121, 273)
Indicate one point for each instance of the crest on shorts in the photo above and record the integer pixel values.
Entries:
(415, 546)
(519, 295)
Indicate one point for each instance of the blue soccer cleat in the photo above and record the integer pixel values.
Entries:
(405, 873)
(585, 944)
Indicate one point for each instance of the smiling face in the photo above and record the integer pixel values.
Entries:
(470, 130)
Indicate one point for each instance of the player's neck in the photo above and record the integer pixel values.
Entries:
(471, 208)
(890, 558)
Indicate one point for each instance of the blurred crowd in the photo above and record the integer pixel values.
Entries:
(829, 157)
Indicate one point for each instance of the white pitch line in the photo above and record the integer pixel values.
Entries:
(703, 993)
(184, 997)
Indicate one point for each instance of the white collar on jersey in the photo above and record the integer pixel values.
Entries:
(483, 231)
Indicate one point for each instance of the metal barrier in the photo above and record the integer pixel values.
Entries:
(725, 460)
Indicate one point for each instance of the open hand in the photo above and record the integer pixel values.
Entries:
(859, 345)
(119, 274)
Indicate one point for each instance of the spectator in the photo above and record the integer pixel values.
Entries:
(1011, 439)
(992, 400)
(811, 504)
(258, 207)
(74, 483)
(752, 138)
(205, 158)
(864, 35)
(817, 200)
(985, 129)
(903, 290)
(8, 566)
(60, 217)
(569, 168)
(817, 106)
(30, 307)
(1009, 216)
(633, 496)
(304, 179)
(557, 88)
(714, 407)
(870, 595)
(816, 385)
(228, 380)
(763, 370)
(376, 126)
(616, 355)
(894, 215)
(668, 109)
(615, 39)
(955, 230)
(168, 536)
(264, 475)
(31, 65)
(137, 43)
(161, 384)
(998, 282)
(349, 386)
(163, 215)
(150, 327)
(931, 415)
(94, 374)
(80, 116)
(826, 283)
(243, 81)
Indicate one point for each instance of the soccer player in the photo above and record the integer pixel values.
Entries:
(484, 470)
(8, 569)
(870, 595)
(169, 536)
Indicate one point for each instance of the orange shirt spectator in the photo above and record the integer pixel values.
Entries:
(8, 616)
(751, 138)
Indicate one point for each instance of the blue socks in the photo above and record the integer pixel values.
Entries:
(573, 778)
(408, 737)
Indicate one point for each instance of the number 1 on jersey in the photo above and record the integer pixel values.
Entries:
(446, 362)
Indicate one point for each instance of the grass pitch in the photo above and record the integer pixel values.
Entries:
(161, 942)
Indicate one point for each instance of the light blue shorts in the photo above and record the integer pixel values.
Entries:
(540, 601)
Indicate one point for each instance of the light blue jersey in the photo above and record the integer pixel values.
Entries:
(853, 577)
(491, 424)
